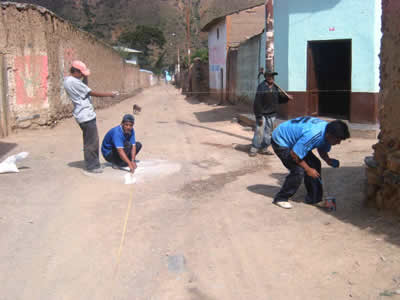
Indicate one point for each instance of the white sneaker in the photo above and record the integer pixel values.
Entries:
(283, 204)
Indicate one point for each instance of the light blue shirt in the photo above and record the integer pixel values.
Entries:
(302, 135)
(78, 92)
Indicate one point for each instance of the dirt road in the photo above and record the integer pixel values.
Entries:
(198, 224)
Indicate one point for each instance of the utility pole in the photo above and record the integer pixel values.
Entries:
(188, 10)
(178, 69)
(179, 63)
(269, 31)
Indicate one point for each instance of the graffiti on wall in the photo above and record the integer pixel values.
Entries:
(217, 56)
(31, 79)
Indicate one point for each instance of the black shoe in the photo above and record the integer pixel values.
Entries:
(265, 151)
(116, 167)
(95, 171)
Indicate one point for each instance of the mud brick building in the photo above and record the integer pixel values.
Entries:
(36, 51)
(383, 170)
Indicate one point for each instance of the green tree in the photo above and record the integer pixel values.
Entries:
(147, 39)
(201, 53)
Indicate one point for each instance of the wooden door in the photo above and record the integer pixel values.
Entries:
(312, 83)
(222, 92)
(231, 71)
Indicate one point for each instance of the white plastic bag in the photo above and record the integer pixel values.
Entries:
(9, 164)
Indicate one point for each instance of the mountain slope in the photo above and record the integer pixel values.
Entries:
(108, 18)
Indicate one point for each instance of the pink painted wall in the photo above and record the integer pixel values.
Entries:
(31, 78)
(39, 48)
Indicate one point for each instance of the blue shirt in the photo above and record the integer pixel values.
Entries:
(115, 138)
(302, 135)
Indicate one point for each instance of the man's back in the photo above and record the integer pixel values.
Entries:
(302, 135)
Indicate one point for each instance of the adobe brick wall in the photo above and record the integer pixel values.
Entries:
(384, 173)
(38, 48)
(200, 79)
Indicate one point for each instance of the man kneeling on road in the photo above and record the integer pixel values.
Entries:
(293, 142)
(119, 145)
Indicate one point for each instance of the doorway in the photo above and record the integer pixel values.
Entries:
(329, 78)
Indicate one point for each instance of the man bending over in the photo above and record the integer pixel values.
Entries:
(293, 142)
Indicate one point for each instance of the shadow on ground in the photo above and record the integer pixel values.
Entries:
(217, 114)
(80, 164)
(194, 100)
(6, 147)
(213, 129)
(347, 185)
(242, 147)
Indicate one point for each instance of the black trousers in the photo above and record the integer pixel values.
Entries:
(296, 175)
(90, 144)
(114, 158)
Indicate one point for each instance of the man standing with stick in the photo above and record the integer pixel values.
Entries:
(268, 97)
(80, 95)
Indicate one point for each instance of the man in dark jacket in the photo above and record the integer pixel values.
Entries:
(268, 97)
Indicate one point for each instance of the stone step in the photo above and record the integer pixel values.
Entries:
(364, 131)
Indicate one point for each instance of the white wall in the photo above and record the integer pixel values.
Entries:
(217, 55)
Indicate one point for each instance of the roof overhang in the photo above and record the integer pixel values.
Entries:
(212, 23)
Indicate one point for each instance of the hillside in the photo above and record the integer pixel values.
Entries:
(108, 18)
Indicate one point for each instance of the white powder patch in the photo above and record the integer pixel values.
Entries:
(146, 170)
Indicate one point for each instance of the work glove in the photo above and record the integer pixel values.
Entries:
(334, 163)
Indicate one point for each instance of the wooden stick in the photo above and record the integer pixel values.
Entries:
(283, 92)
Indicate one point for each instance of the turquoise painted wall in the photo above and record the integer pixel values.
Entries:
(297, 22)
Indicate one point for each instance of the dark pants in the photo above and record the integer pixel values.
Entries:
(90, 144)
(296, 175)
(114, 158)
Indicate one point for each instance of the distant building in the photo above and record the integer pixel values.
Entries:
(152, 79)
(327, 56)
(227, 32)
(132, 54)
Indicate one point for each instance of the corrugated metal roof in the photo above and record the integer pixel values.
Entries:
(128, 50)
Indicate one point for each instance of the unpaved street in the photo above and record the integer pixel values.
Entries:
(198, 224)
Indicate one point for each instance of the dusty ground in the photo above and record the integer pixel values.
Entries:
(197, 225)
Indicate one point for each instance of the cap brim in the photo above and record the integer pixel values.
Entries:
(86, 72)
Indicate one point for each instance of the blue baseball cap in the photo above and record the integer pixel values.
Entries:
(128, 118)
